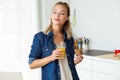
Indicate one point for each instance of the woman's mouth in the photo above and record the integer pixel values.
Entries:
(57, 19)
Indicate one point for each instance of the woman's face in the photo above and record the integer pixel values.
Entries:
(59, 15)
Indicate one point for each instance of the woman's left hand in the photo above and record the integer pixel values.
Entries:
(78, 59)
(78, 56)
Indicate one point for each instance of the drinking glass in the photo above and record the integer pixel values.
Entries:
(61, 46)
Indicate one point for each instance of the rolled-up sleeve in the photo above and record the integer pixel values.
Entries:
(35, 51)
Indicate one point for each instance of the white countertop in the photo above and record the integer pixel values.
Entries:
(110, 56)
(105, 57)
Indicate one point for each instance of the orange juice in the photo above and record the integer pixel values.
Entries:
(61, 46)
(63, 52)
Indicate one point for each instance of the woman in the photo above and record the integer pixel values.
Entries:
(44, 53)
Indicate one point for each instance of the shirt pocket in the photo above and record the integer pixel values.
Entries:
(46, 51)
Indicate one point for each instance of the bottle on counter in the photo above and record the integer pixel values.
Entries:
(85, 45)
(79, 45)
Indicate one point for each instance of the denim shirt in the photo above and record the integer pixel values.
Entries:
(42, 46)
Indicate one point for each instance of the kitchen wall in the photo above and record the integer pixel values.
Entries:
(98, 20)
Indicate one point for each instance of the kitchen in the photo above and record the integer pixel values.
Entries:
(98, 20)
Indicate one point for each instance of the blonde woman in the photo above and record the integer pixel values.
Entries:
(44, 53)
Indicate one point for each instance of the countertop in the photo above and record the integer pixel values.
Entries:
(102, 54)
(110, 56)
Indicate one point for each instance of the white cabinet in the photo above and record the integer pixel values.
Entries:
(94, 68)
(85, 64)
(106, 67)
(84, 74)
(84, 69)
(103, 76)
(103, 70)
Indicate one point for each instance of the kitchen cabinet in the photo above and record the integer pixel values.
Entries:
(98, 68)
(84, 69)
(103, 76)
(84, 74)
(106, 67)
(104, 70)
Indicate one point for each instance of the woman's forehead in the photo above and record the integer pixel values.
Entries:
(60, 7)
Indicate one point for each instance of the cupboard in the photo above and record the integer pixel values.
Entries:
(94, 68)
(84, 69)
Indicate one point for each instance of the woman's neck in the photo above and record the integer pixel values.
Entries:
(57, 32)
(58, 36)
(57, 29)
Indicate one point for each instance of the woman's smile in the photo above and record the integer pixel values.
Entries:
(57, 19)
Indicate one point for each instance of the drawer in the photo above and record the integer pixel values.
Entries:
(84, 74)
(106, 67)
(85, 64)
(102, 76)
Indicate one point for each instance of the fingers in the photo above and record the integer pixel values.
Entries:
(57, 54)
(78, 59)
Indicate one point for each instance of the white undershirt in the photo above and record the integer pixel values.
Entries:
(65, 69)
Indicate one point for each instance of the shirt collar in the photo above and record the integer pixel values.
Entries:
(50, 34)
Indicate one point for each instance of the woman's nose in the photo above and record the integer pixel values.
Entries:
(57, 15)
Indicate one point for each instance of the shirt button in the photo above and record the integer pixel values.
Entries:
(67, 55)
(59, 73)
(46, 49)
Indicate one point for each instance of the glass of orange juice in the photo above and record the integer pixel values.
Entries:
(61, 46)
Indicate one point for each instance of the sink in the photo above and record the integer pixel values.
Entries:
(97, 52)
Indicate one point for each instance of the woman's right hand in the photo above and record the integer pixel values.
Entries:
(56, 54)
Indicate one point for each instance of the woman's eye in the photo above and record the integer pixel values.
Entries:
(54, 12)
(62, 13)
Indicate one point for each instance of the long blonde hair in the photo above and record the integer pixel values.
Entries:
(67, 24)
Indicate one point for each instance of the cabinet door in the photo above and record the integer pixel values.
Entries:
(102, 76)
(84, 69)
(47, 6)
(106, 67)
(85, 64)
(84, 74)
